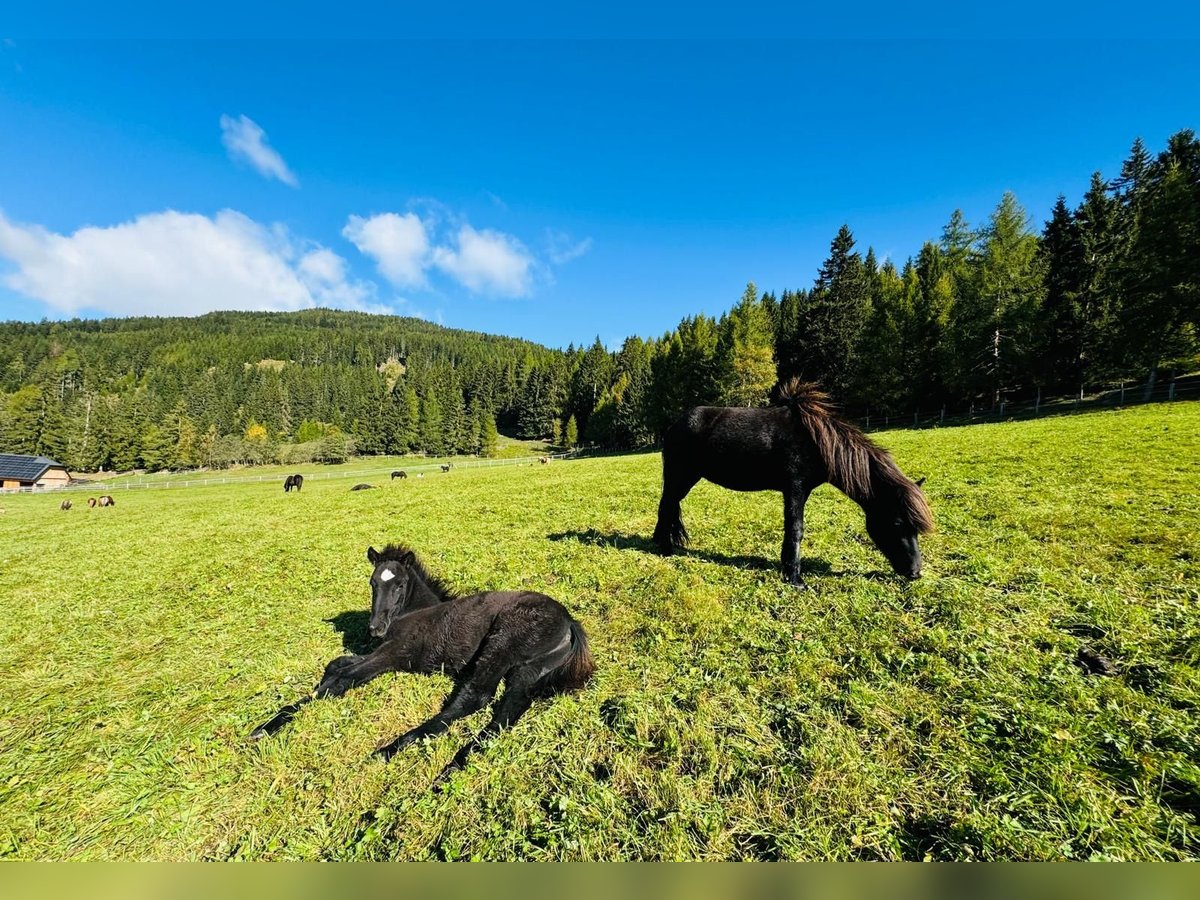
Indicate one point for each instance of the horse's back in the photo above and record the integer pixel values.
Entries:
(740, 448)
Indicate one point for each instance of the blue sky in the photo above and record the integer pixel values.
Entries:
(553, 190)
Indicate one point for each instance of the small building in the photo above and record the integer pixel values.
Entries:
(31, 473)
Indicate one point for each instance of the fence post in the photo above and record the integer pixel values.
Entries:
(1037, 404)
(1122, 393)
(1171, 391)
(868, 421)
(916, 418)
(1002, 409)
(942, 421)
(971, 413)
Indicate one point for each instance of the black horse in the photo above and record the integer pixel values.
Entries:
(446, 468)
(792, 447)
(293, 481)
(526, 639)
(362, 487)
(399, 473)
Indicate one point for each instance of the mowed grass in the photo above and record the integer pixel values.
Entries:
(731, 716)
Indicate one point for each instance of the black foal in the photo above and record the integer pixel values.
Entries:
(526, 639)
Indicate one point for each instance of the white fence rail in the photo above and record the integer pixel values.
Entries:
(103, 487)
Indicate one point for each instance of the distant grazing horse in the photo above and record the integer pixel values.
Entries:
(293, 481)
(543, 459)
(526, 639)
(399, 474)
(446, 468)
(66, 504)
(106, 500)
(362, 487)
(792, 447)
(91, 502)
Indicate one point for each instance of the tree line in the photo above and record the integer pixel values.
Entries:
(1107, 290)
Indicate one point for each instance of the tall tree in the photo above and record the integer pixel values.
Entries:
(829, 331)
(999, 319)
(749, 358)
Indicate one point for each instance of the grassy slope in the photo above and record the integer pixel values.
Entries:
(731, 716)
(365, 466)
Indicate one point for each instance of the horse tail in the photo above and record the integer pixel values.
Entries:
(575, 669)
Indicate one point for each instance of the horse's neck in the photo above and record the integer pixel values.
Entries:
(423, 595)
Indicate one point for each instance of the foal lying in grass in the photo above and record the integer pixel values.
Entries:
(526, 639)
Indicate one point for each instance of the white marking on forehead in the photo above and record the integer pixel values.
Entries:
(387, 575)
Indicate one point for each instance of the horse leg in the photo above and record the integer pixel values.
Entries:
(519, 694)
(470, 695)
(669, 533)
(794, 499)
(341, 674)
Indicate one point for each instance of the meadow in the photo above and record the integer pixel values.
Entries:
(731, 717)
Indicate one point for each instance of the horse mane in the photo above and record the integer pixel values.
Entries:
(397, 553)
(853, 462)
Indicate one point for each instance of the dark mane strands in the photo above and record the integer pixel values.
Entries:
(850, 456)
(397, 552)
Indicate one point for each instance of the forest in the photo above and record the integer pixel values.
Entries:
(1107, 290)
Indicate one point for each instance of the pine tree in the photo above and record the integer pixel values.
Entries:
(749, 359)
(1062, 259)
(1160, 271)
(998, 322)
(829, 331)
(489, 438)
(571, 436)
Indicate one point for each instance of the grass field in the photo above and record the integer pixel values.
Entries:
(370, 467)
(731, 716)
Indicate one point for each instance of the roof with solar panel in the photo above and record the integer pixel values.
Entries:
(25, 468)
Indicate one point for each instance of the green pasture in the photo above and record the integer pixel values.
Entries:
(364, 467)
(731, 716)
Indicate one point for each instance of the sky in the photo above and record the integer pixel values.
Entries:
(556, 190)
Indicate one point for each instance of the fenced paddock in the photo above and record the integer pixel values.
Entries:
(310, 472)
(731, 716)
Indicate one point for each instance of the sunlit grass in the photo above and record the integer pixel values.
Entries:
(731, 715)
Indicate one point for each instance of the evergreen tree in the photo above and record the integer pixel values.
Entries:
(999, 320)
(489, 438)
(749, 360)
(829, 332)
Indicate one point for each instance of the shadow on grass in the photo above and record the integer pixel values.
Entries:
(352, 625)
(622, 541)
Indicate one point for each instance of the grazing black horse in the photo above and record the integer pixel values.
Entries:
(362, 487)
(293, 481)
(446, 468)
(400, 473)
(792, 447)
(526, 639)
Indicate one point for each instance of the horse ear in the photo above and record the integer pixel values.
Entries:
(372, 556)
(409, 558)
(921, 480)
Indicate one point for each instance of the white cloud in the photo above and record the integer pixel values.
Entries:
(561, 248)
(178, 264)
(245, 140)
(487, 262)
(398, 244)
